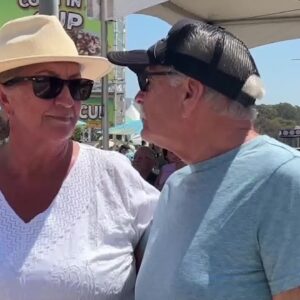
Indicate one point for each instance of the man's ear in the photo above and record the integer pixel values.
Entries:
(194, 93)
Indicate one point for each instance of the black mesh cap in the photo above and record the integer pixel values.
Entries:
(202, 51)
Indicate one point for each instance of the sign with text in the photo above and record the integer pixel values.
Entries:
(81, 19)
(91, 112)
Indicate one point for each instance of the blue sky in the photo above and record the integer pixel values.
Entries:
(281, 74)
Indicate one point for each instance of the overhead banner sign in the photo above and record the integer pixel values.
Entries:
(79, 17)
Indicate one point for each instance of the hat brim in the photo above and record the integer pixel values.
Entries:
(136, 60)
(92, 67)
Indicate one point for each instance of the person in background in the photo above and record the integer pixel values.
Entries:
(131, 151)
(145, 162)
(159, 155)
(232, 214)
(173, 164)
(127, 150)
(124, 149)
(71, 215)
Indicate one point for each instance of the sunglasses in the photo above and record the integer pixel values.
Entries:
(144, 78)
(48, 87)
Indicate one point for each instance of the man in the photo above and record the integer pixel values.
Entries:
(227, 225)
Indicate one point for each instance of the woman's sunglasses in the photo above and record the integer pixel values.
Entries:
(48, 87)
(144, 78)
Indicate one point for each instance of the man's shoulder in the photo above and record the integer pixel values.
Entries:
(269, 153)
(276, 145)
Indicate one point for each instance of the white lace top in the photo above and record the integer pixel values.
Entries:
(82, 246)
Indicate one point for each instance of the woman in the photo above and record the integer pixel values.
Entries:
(71, 216)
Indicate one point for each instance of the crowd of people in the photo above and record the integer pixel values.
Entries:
(77, 222)
(153, 163)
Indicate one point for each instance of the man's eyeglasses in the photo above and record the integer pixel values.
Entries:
(144, 78)
(48, 87)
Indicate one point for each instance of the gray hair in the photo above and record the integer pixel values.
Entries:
(177, 78)
(235, 110)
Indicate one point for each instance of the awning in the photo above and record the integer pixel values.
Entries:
(256, 22)
(128, 128)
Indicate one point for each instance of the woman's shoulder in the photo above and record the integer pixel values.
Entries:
(105, 160)
(114, 169)
(107, 156)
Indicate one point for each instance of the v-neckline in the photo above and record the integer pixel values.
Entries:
(17, 218)
(52, 205)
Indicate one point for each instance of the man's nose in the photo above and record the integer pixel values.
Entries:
(139, 98)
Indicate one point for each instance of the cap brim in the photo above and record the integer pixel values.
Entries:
(136, 60)
(92, 67)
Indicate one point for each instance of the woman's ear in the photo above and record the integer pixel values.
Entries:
(4, 103)
(194, 94)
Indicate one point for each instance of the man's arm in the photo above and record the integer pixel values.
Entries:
(293, 294)
(140, 248)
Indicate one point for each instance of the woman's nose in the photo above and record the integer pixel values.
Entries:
(65, 98)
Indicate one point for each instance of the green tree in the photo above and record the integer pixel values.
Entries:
(77, 134)
(272, 118)
(286, 111)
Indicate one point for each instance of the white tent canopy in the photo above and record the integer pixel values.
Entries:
(132, 114)
(256, 22)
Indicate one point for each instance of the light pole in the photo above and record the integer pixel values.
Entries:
(104, 81)
(48, 7)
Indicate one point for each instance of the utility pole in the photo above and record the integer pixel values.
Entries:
(48, 7)
(104, 81)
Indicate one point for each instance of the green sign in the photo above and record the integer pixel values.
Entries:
(91, 112)
(80, 19)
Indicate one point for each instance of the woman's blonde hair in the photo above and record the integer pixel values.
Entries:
(4, 121)
(10, 74)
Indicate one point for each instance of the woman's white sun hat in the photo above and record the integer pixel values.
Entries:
(41, 39)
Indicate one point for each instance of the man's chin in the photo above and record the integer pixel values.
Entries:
(146, 135)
